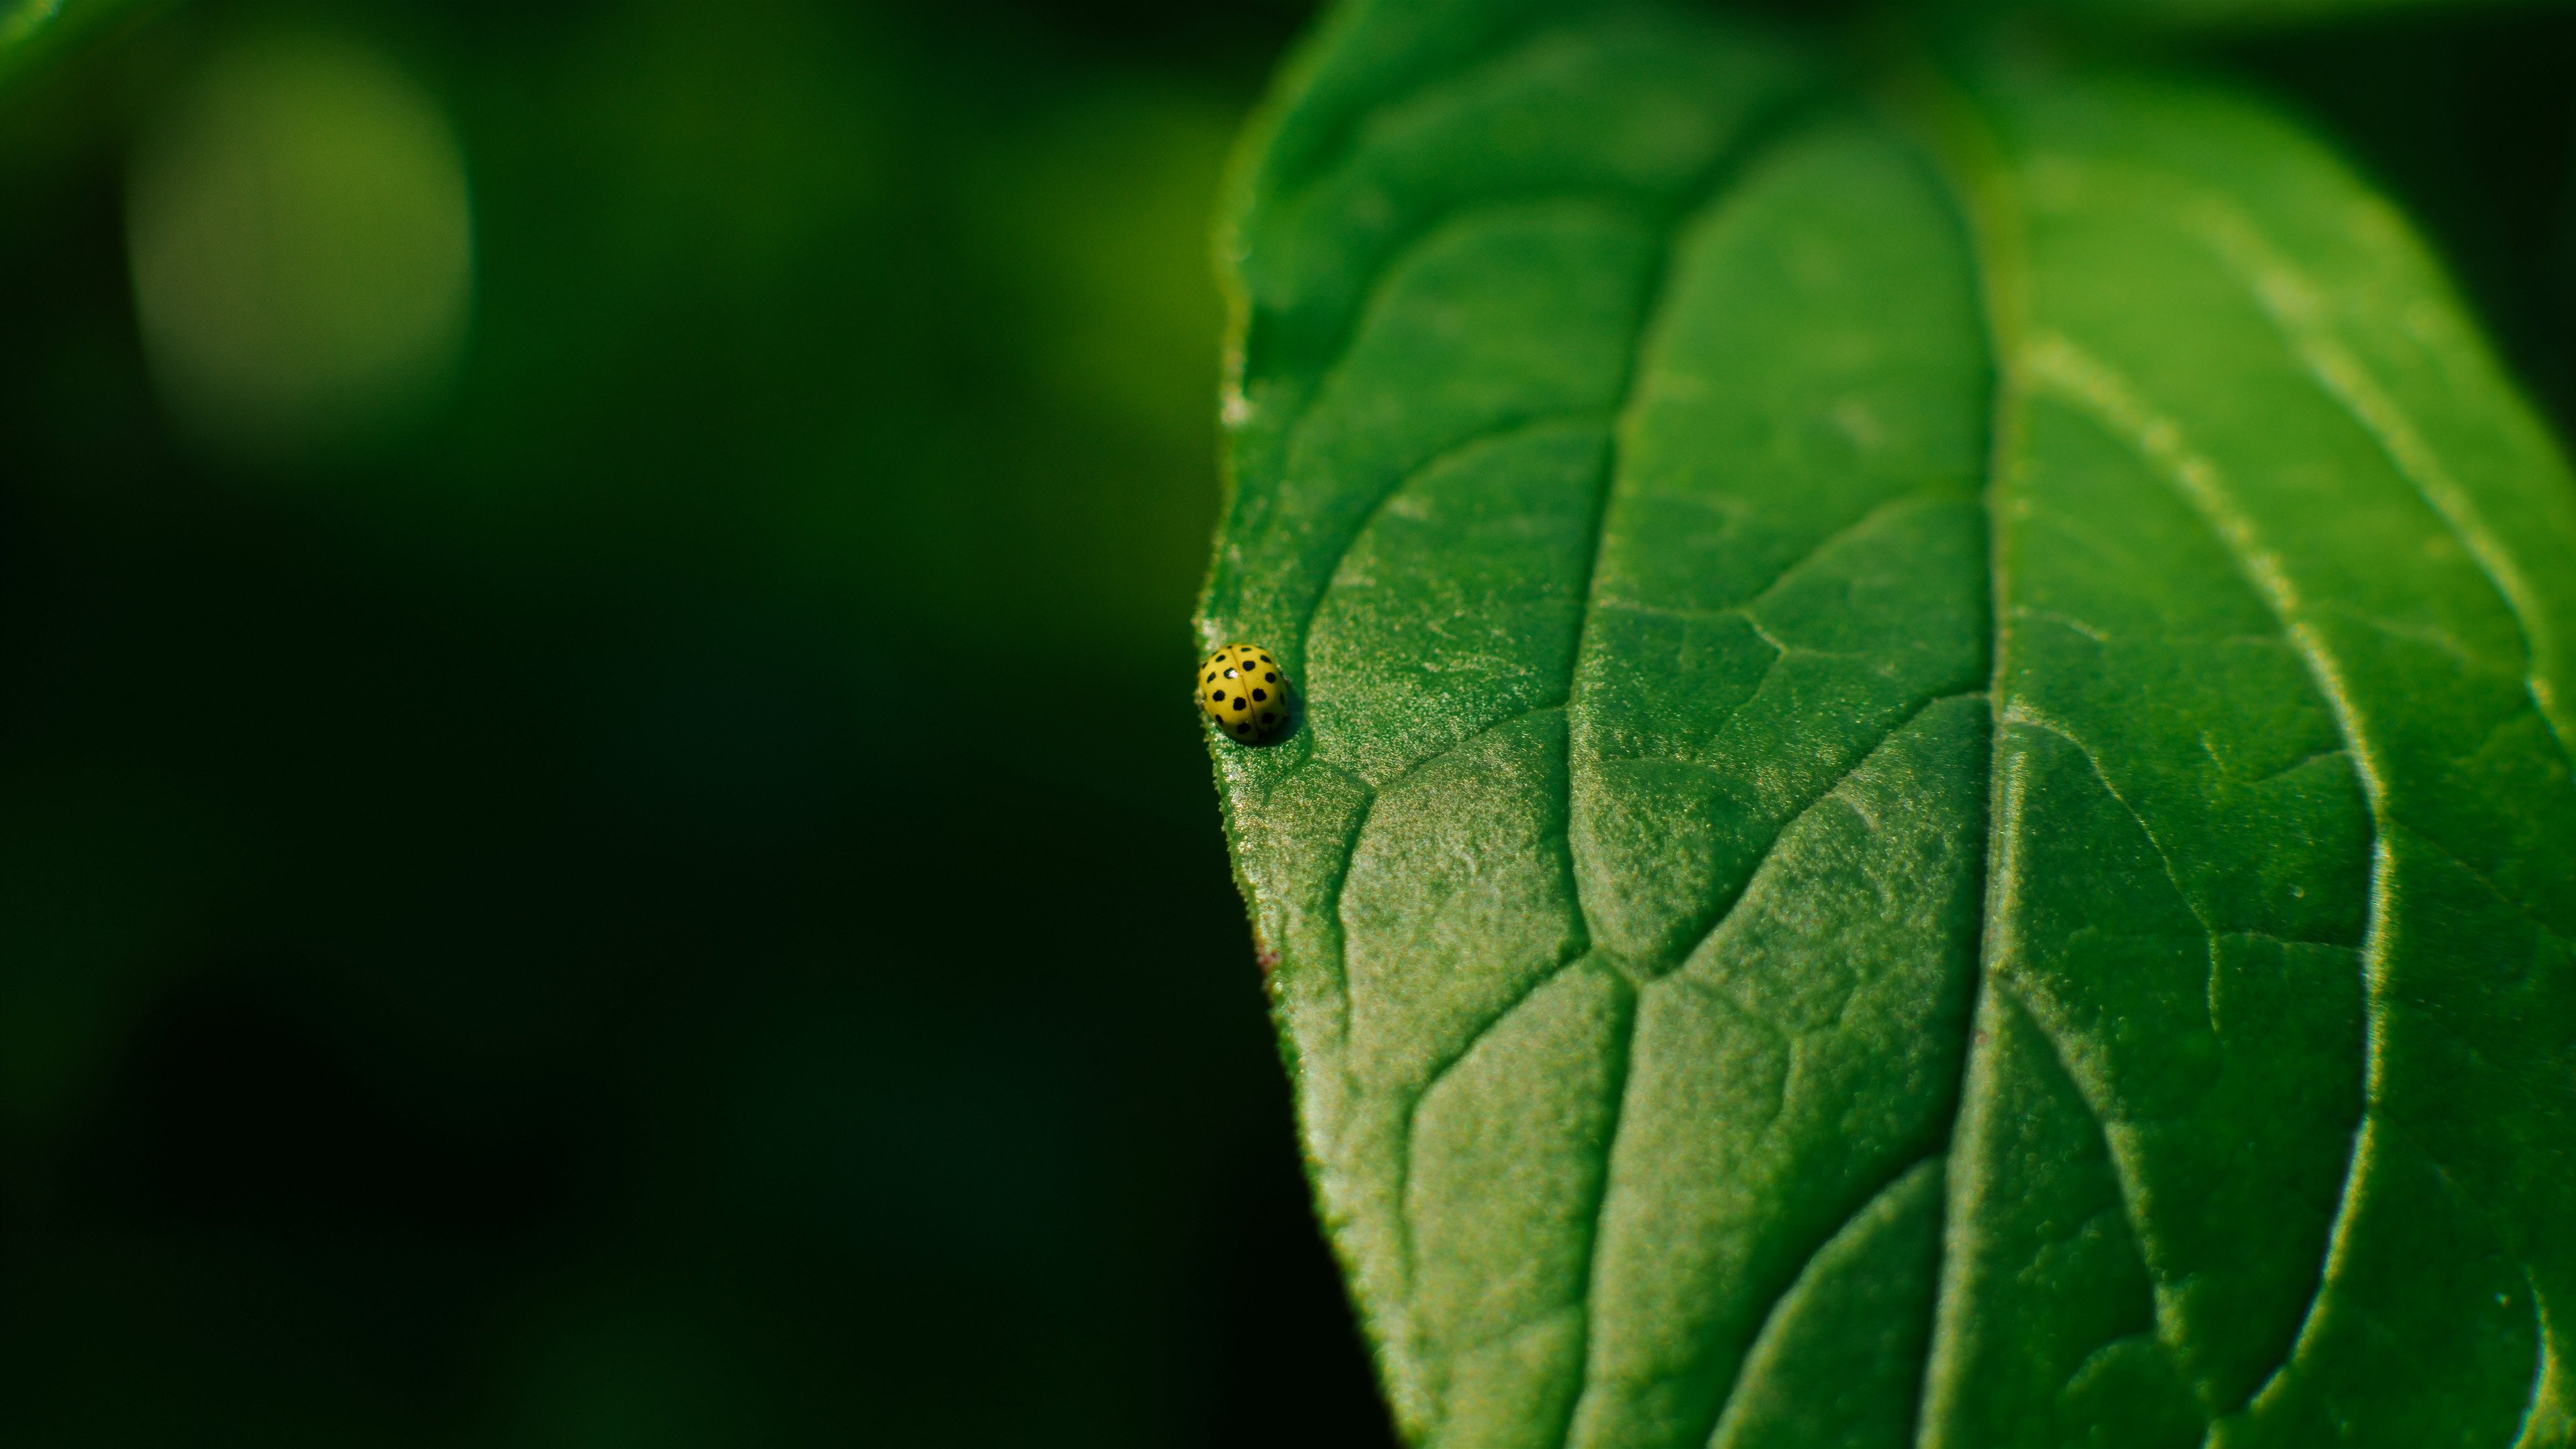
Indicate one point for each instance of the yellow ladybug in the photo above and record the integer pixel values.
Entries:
(1243, 689)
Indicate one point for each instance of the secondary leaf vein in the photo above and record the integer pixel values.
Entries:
(2056, 365)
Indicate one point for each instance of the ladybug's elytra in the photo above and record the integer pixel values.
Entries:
(1244, 690)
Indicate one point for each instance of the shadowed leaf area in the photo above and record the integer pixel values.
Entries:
(1934, 797)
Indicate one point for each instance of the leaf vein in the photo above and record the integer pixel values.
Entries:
(2288, 299)
(2020, 713)
(1828, 791)
(1967, 159)
(2094, 389)
(1711, 192)
(2123, 1173)
(1771, 1311)
(1510, 427)
(2473, 873)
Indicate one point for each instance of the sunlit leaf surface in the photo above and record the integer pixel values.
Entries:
(1933, 804)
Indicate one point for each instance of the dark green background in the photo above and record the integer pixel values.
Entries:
(680, 903)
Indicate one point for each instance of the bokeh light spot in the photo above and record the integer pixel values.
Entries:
(302, 246)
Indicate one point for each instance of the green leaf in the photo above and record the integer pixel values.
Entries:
(1932, 803)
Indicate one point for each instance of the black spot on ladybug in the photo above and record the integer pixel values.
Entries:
(1238, 701)
(1261, 694)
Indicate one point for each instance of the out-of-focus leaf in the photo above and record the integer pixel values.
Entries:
(35, 31)
(2232, 15)
(1934, 803)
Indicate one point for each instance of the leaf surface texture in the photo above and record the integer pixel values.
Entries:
(1933, 798)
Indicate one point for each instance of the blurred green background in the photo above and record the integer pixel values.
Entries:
(666, 891)
(600, 843)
